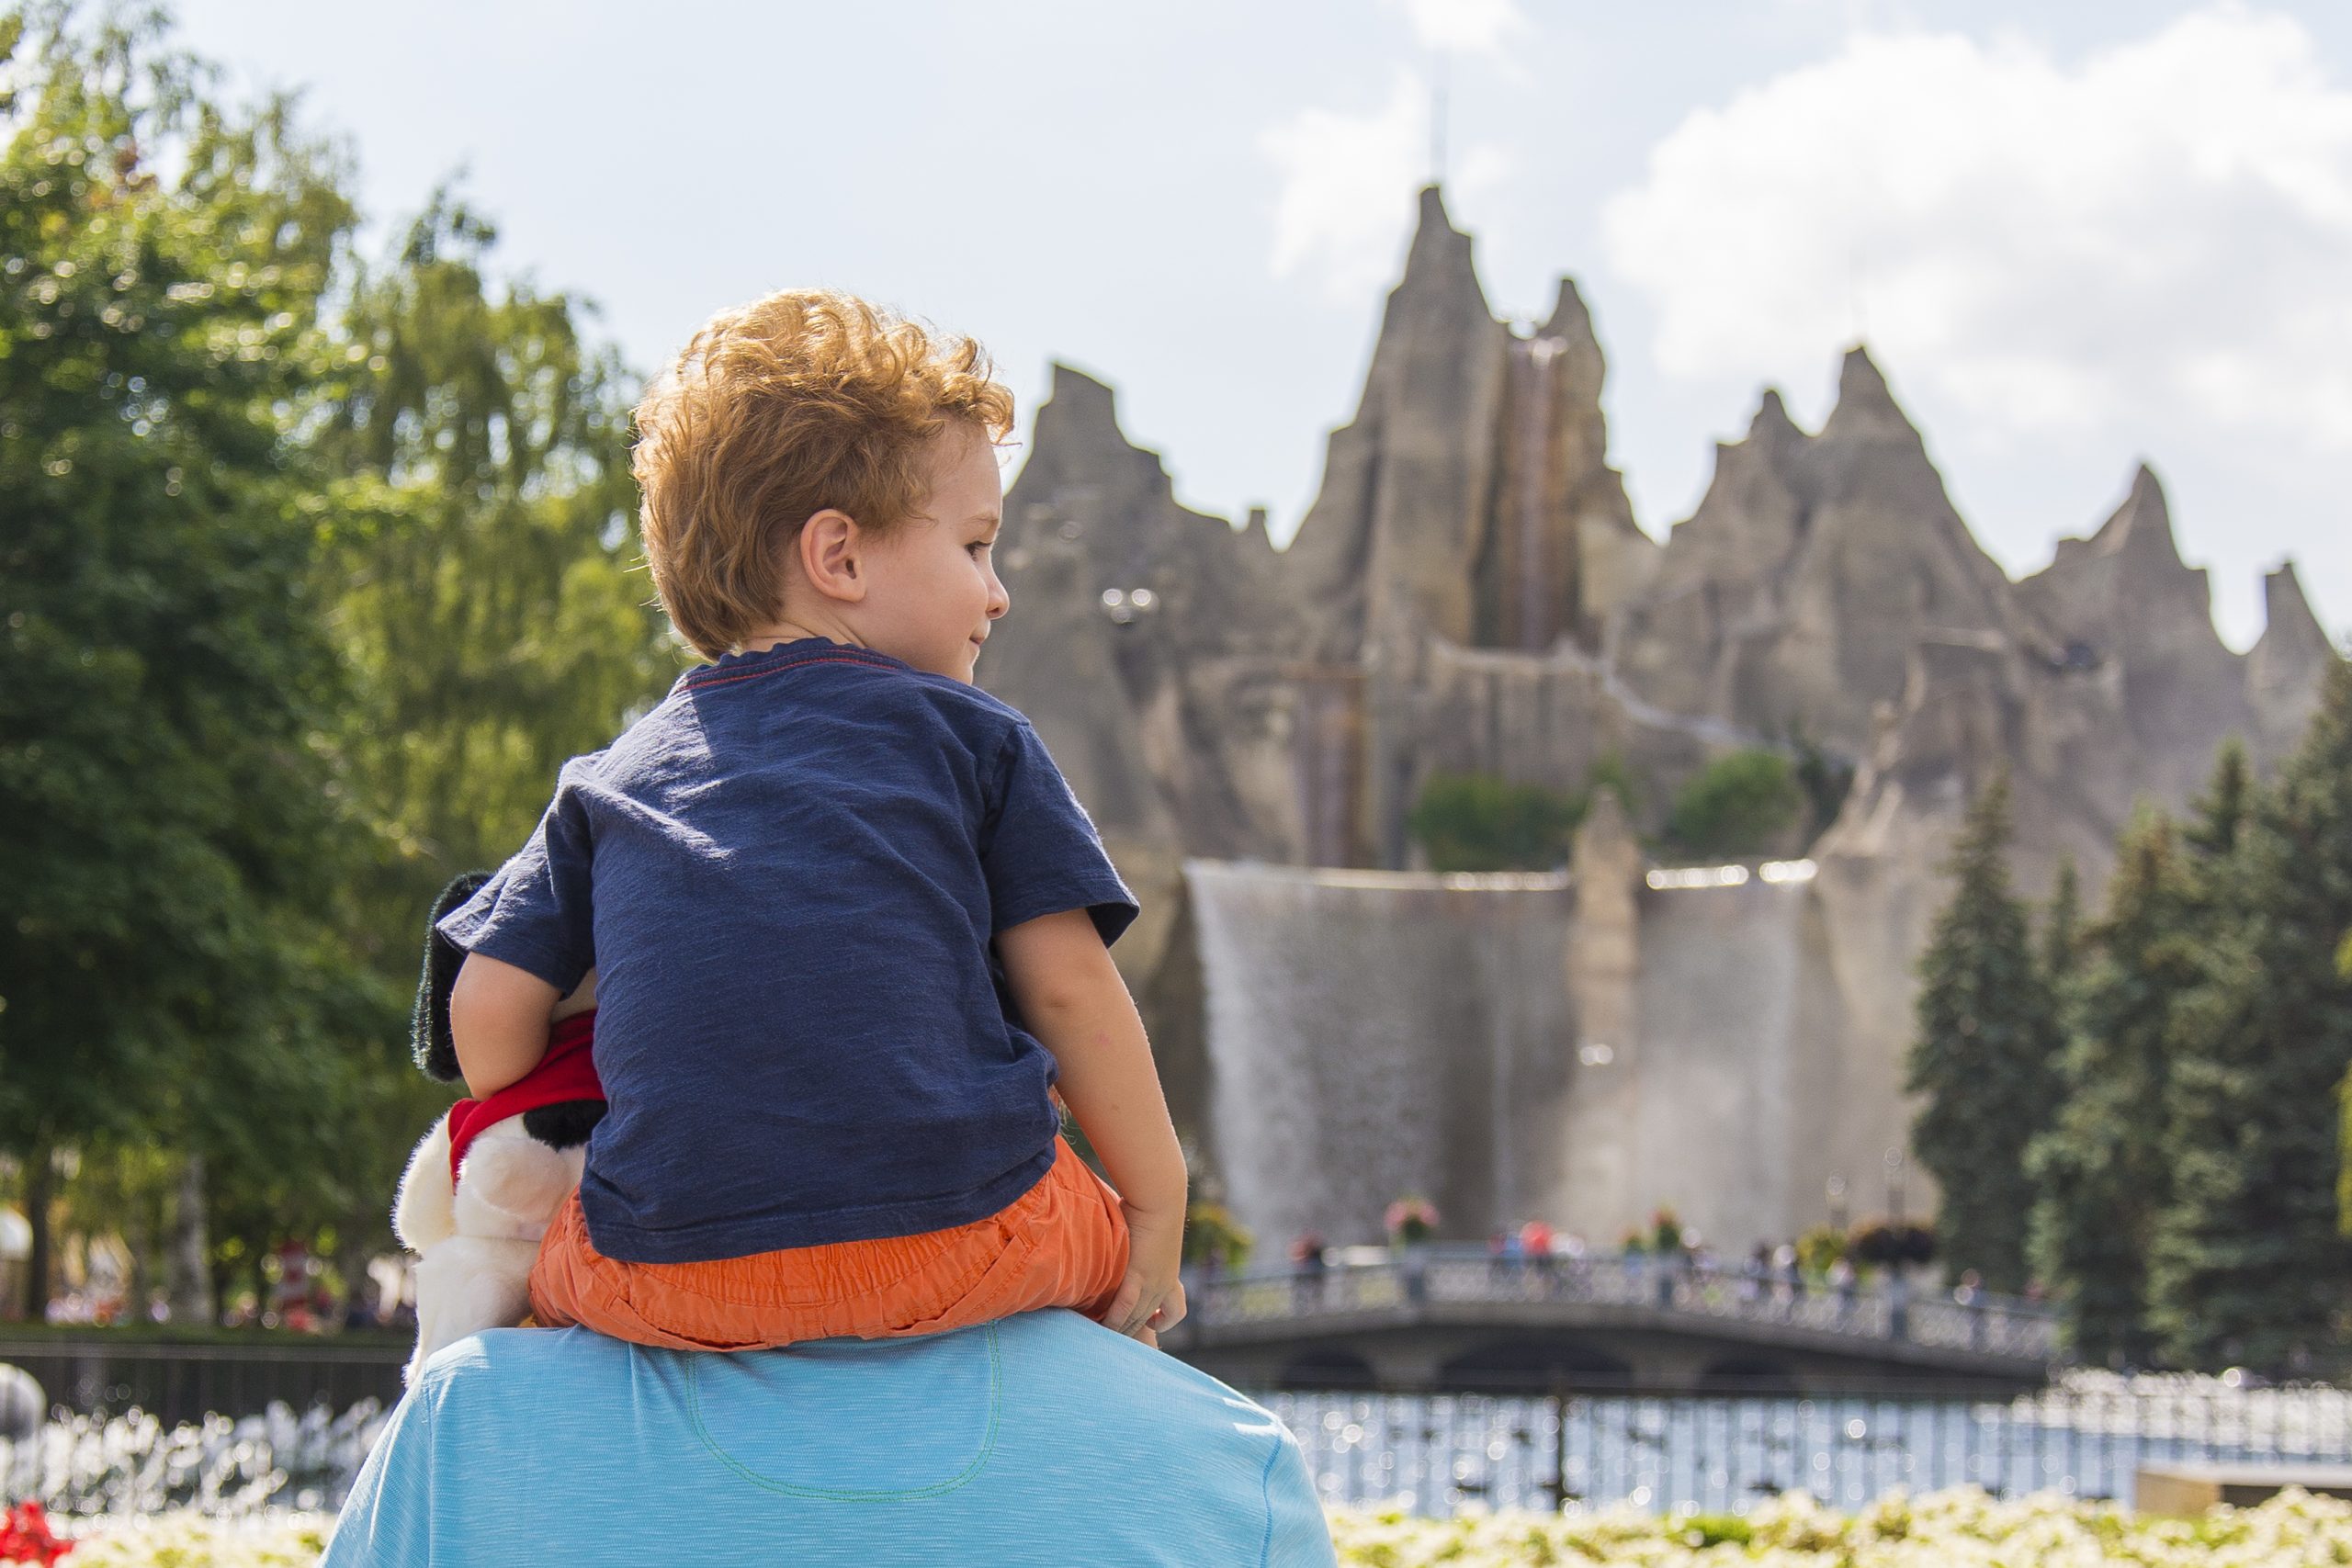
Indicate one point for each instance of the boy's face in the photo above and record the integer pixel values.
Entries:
(934, 590)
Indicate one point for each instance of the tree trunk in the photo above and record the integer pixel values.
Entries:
(256, 1258)
(189, 1264)
(40, 1187)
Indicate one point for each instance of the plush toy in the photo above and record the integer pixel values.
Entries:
(482, 1187)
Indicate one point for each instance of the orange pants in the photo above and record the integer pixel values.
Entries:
(1063, 1242)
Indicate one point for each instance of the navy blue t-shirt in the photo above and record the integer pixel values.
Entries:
(787, 876)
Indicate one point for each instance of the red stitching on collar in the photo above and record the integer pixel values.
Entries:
(697, 684)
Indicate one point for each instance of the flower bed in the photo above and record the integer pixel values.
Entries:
(1958, 1528)
(1962, 1527)
(182, 1537)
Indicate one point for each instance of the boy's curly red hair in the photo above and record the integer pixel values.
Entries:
(774, 412)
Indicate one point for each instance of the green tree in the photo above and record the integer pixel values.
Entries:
(480, 567)
(2100, 1171)
(1737, 805)
(478, 572)
(171, 847)
(2218, 815)
(2061, 930)
(2247, 1265)
(1983, 1059)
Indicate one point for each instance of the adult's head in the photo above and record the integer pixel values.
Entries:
(1040, 1439)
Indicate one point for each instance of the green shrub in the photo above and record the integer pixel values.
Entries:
(1736, 806)
(1477, 822)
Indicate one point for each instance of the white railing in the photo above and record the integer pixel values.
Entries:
(1992, 1326)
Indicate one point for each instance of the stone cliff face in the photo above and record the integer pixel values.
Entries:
(2284, 670)
(1470, 593)
(1408, 483)
(1789, 603)
(2124, 604)
(1561, 550)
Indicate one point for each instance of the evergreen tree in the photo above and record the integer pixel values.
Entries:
(2101, 1172)
(1983, 1059)
(2219, 814)
(2247, 1265)
(2061, 931)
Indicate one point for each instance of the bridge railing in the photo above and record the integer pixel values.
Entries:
(1994, 1325)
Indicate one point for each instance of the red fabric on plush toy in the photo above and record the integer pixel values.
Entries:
(566, 1072)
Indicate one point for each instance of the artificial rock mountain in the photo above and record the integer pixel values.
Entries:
(1470, 593)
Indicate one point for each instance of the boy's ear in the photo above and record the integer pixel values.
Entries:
(429, 1038)
(831, 550)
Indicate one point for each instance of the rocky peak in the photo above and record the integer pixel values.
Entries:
(2284, 670)
(1402, 505)
(1438, 263)
(1772, 422)
(2109, 591)
(1076, 405)
(2141, 526)
(1570, 321)
(1866, 406)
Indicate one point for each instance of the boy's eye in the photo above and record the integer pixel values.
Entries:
(977, 544)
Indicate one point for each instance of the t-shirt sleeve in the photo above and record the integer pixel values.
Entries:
(535, 913)
(1039, 849)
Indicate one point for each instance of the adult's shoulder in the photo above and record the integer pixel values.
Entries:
(1040, 1440)
(1143, 1412)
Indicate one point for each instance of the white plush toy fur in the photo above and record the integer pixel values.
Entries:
(475, 1239)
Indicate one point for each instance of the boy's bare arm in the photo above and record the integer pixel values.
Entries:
(498, 1021)
(1072, 999)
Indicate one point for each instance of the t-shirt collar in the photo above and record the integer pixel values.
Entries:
(800, 650)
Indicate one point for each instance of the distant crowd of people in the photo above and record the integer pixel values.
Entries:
(296, 1295)
(1673, 1264)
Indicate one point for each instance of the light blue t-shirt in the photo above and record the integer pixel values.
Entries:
(1043, 1440)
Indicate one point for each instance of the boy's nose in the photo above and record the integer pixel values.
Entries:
(999, 599)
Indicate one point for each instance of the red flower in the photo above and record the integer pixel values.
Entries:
(25, 1537)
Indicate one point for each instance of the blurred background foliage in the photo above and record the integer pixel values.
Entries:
(314, 565)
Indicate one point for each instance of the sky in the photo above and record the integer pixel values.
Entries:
(2075, 237)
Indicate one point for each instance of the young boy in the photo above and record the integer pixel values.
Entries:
(848, 926)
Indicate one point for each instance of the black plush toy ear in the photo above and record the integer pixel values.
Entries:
(437, 1054)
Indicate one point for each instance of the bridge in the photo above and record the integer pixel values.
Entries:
(1457, 1321)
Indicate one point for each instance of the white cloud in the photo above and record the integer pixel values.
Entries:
(1465, 26)
(1346, 184)
(2150, 241)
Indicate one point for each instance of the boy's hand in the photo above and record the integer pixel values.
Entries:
(1150, 1299)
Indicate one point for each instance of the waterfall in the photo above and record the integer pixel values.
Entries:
(1376, 1033)
(1534, 569)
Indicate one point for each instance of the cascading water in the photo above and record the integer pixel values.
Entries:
(1372, 1034)
(1535, 356)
